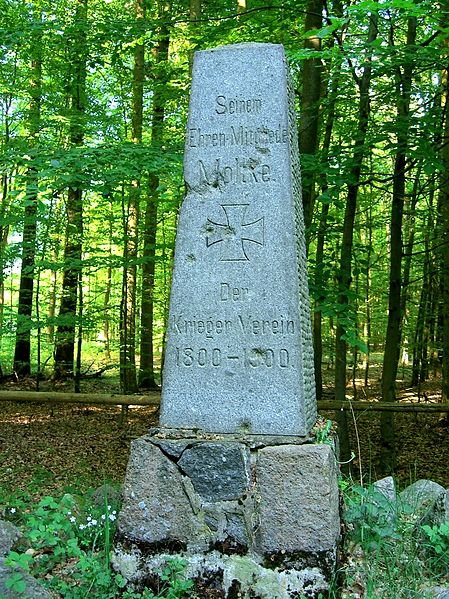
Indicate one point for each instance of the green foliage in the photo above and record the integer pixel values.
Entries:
(437, 546)
(385, 549)
(66, 543)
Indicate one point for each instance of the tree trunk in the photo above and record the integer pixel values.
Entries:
(344, 277)
(147, 373)
(393, 336)
(444, 223)
(310, 105)
(65, 335)
(128, 373)
(22, 352)
(321, 237)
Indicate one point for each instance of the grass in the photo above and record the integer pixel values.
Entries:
(67, 541)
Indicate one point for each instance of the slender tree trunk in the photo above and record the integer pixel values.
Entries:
(147, 373)
(321, 238)
(195, 15)
(128, 373)
(22, 352)
(107, 293)
(393, 336)
(65, 335)
(310, 105)
(345, 276)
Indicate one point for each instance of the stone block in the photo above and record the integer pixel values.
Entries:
(299, 502)
(156, 507)
(218, 471)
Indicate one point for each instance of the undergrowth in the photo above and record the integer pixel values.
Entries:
(390, 552)
(66, 543)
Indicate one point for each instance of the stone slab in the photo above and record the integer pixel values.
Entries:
(155, 507)
(218, 471)
(239, 353)
(299, 501)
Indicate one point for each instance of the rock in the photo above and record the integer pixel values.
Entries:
(33, 589)
(387, 488)
(420, 496)
(156, 506)
(218, 471)
(9, 534)
(439, 512)
(299, 503)
(239, 355)
(439, 592)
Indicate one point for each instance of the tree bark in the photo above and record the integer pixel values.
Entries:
(444, 223)
(128, 373)
(147, 372)
(65, 334)
(393, 336)
(22, 351)
(310, 105)
(345, 270)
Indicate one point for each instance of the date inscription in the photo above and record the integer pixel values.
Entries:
(190, 357)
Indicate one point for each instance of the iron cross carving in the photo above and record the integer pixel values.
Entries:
(235, 232)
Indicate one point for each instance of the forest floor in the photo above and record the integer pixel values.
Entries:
(56, 448)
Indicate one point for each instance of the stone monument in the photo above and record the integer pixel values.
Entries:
(232, 481)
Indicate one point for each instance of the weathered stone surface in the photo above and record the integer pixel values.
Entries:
(421, 496)
(299, 505)
(218, 471)
(9, 534)
(282, 522)
(156, 507)
(387, 488)
(239, 353)
(439, 512)
(234, 574)
(34, 590)
(174, 447)
(439, 592)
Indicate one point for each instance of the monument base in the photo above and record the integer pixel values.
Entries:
(250, 516)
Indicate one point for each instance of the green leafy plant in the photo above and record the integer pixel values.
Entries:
(436, 546)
